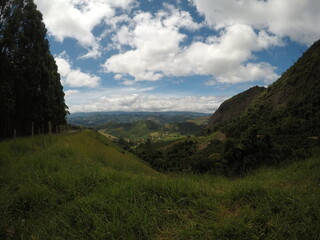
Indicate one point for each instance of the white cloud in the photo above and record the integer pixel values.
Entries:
(70, 92)
(138, 99)
(248, 73)
(225, 54)
(157, 52)
(151, 103)
(74, 77)
(118, 76)
(77, 19)
(64, 67)
(124, 36)
(157, 45)
(153, 45)
(172, 17)
(296, 19)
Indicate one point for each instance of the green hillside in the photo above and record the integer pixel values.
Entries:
(233, 107)
(81, 186)
(263, 126)
(290, 106)
(142, 130)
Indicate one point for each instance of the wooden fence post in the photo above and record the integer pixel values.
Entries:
(49, 127)
(32, 134)
(42, 135)
(14, 141)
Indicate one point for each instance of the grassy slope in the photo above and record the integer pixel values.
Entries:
(138, 130)
(80, 186)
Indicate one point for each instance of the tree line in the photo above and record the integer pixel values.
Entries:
(30, 87)
(233, 157)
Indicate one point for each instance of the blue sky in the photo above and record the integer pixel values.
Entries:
(177, 55)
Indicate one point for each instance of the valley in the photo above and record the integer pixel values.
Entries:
(83, 186)
(159, 120)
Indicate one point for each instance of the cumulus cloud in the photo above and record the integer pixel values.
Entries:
(77, 19)
(157, 51)
(74, 77)
(293, 18)
(243, 27)
(154, 45)
(155, 40)
(248, 73)
(70, 92)
(149, 103)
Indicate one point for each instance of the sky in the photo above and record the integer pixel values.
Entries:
(173, 55)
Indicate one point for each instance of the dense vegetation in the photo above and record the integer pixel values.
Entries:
(82, 186)
(232, 107)
(30, 88)
(289, 107)
(225, 156)
(285, 117)
(263, 127)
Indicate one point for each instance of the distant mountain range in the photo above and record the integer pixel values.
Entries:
(94, 119)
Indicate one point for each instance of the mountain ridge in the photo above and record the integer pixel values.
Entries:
(291, 105)
(232, 107)
(99, 118)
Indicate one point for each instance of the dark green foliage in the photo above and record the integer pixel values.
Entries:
(232, 107)
(290, 106)
(30, 88)
(177, 158)
(251, 152)
(233, 157)
(125, 144)
(184, 156)
(187, 128)
(273, 125)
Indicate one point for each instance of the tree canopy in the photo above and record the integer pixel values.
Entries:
(30, 87)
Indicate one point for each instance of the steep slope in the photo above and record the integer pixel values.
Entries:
(290, 106)
(233, 107)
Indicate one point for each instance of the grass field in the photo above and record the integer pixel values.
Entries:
(82, 186)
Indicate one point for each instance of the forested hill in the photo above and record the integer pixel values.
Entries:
(30, 88)
(233, 107)
(290, 106)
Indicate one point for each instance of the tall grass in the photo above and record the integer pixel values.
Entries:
(82, 186)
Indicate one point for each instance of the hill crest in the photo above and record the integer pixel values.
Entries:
(291, 105)
(233, 107)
